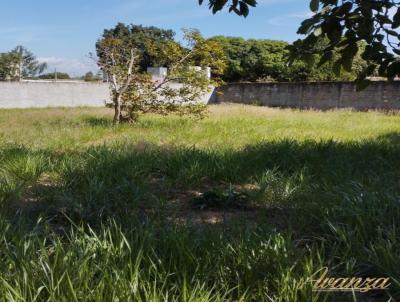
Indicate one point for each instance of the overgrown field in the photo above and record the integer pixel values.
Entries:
(240, 206)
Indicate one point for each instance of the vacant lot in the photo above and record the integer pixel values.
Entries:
(239, 206)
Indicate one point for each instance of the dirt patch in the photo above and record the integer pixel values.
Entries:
(210, 204)
(223, 204)
(29, 201)
(276, 218)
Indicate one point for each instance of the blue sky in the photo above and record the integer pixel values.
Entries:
(63, 32)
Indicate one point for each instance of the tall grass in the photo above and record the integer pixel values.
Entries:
(95, 213)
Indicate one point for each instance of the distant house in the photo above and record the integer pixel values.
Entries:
(162, 72)
(158, 72)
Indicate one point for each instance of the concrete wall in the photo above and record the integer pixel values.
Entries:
(325, 95)
(322, 95)
(52, 94)
(59, 94)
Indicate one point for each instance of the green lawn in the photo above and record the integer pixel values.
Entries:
(239, 206)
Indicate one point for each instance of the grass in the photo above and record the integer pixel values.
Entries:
(239, 206)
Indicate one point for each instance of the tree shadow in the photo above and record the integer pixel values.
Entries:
(392, 138)
(97, 121)
(103, 182)
(342, 196)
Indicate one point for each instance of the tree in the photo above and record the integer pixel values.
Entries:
(6, 64)
(88, 77)
(252, 60)
(266, 60)
(23, 64)
(91, 77)
(55, 75)
(303, 56)
(148, 41)
(346, 25)
(134, 91)
(118, 62)
(18, 64)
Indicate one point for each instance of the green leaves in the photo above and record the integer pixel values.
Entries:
(218, 5)
(396, 19)
(348, 54)
(244, 9)
(393, 69)
(327, 56)
(370, 22)
(306, 26)
(135, 92)
(348, 23)
(19, 63)
(240, 7)
(314, 5)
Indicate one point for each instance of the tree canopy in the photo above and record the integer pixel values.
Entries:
(135, 92)
(251, 60)
(245, 60)
(91, 77)
(266, 60)
(19, 63)
(345, 25)
(149, 41)
(55, 75)
(6, 66)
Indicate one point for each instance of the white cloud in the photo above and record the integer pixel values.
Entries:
(74, 66)
(288, 19)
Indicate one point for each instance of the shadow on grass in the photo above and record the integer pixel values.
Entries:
(98, 121)
(340, 200)
(392, 138)
(104, 182)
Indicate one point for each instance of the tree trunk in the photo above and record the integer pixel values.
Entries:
(117, 109)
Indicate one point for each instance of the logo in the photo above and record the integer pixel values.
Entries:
(325, 283)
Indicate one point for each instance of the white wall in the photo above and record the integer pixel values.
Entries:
(52, 94)
(58, 94)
